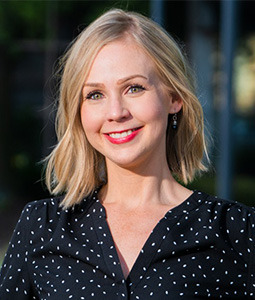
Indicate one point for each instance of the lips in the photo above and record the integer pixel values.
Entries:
(119, 137)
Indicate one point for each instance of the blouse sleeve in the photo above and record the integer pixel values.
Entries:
(14, 277)
(251, 250)
(241, 231)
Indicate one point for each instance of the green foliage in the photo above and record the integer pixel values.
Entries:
(244, 190)
(243, 187)
(26, 19)
(22, 19)
(2, 254)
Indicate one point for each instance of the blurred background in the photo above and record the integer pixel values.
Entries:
(219, 39)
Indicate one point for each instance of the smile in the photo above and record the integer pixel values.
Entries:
(123, 136)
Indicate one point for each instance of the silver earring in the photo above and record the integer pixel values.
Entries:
(174, 123)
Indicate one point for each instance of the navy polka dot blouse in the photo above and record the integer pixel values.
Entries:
(203, 248)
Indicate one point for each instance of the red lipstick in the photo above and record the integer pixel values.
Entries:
(118, 138)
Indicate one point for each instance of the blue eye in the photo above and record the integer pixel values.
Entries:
(94, 96)
(136, 89)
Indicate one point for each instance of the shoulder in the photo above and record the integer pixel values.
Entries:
(221, 208)
(51, 208)
(50, 211)
(41, 220)
(39, 212)
(233, 220)
(42, 208)
(232, 209)
(221, 212)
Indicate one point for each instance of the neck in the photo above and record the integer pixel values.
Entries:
(147, 185)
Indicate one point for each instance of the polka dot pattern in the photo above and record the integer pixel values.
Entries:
(203, 248)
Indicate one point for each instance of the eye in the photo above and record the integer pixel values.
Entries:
(135, 89)
(95, 95)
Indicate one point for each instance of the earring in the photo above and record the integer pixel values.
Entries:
(174, 124)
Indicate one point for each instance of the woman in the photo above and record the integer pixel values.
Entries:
(128, 124)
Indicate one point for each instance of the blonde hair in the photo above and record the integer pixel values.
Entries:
(74, 167)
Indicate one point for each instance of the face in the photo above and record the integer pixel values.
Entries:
(125, 108)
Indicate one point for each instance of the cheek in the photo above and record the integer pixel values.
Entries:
(155, 107)
(153, 112)
(90, 121)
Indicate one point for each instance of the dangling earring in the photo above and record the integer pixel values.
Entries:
(174, 124)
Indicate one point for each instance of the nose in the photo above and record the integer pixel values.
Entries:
(116, 109)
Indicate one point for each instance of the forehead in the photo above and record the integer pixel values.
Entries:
(122, 57)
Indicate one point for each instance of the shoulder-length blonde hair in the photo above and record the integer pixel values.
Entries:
(74, 167)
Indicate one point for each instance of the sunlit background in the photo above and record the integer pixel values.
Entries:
(33, 34)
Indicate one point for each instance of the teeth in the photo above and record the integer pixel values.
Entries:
(120, 135)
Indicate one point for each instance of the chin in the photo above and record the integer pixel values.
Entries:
(123, 163)
(129, 162)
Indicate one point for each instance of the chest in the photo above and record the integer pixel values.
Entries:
(167, 276)
(130, 231)
(178, 261)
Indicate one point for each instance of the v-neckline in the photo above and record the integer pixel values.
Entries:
(151, 246)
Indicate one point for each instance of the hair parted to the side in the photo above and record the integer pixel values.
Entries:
(74, 168)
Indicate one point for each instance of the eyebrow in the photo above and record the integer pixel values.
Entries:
(120, 81)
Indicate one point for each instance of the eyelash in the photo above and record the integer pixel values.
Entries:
(93, 93)
(138, 86)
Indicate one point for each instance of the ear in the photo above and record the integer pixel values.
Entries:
(175, 104)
